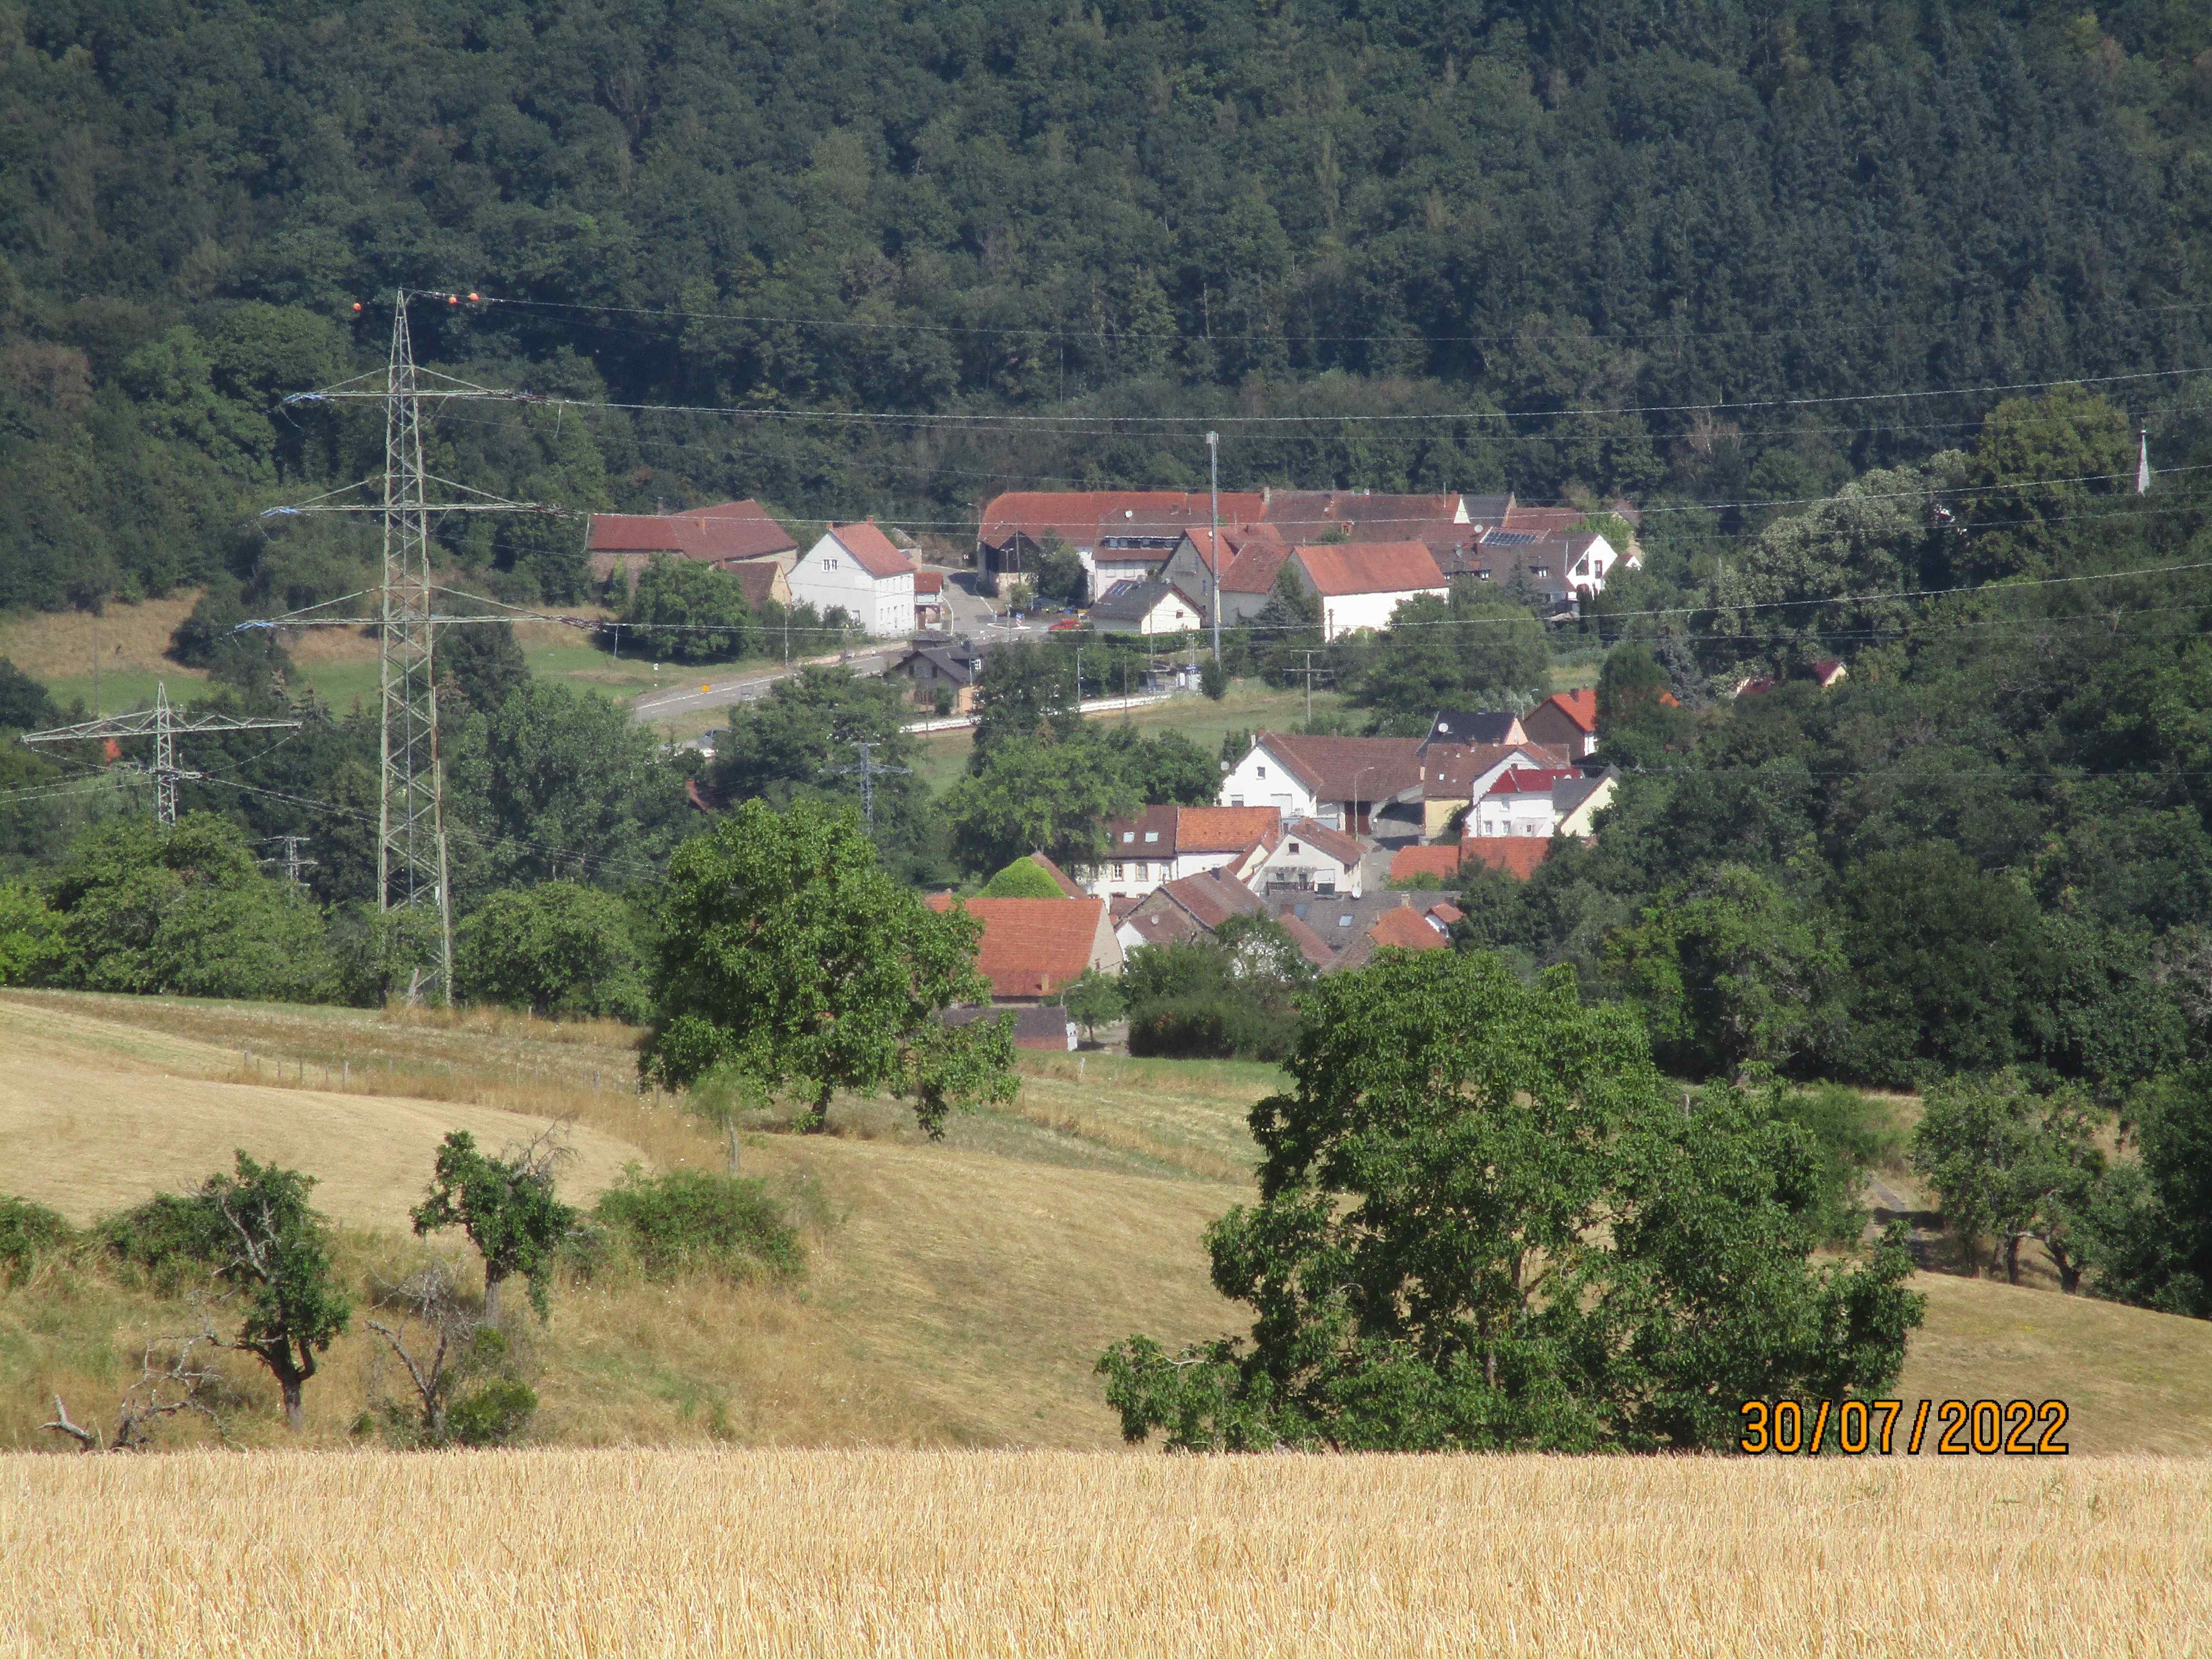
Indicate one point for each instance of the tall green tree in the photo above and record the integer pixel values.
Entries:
(1030, 797)
(790, 956)
(799, 743)
(1461, 652)
(1485, 1221)
(560, 949)
(685, 611)
(275, 1254)
(506, 1207)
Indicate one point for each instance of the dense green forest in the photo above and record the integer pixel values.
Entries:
(1129, 211)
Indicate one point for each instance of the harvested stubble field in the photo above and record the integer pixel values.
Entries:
(473, 1556)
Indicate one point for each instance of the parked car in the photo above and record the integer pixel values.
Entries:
(1058, 626)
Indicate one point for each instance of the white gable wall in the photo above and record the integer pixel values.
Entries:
(1260, 778)
(827, 575)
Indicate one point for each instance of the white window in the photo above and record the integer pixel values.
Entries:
(1482, 576)
(1119, 872)
(1151, 835)
(1540, 570)
(1344, 921)
(1129, 835)
(1236, 801)
(1144, 871)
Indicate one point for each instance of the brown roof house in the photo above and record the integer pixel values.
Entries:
(1342, 781)
(1305, 856)
(728, 536)
(1035, 948)
(1190, 909)
(1567, 720)
(1166, 843)
(942, 673)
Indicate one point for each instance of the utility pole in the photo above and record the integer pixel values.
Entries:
(410, 830)
(290, 858)
(1213, 564)
(1309, 670)
(868, 767)
(162, 723)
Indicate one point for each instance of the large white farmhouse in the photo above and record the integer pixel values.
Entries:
(1360, 584)
(856, 568)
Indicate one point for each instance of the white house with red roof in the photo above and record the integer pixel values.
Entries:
(855, 568)
(1168, 843)
(1540, 801)
(1361, 584)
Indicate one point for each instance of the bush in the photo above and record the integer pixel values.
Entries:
(168, 1237)
(697, 1221)
(559, 949)
(1850, 1134)
(497, 1414)
(1213, 679)
(27, 1231)
(1024, 879)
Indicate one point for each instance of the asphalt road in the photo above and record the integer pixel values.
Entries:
(708, 692)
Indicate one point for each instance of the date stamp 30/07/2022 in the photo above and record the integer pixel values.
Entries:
(1961, 1428)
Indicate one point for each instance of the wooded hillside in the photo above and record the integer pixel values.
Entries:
(1385, 208)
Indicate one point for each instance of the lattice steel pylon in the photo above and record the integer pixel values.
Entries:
(161, 723)
(410, 836)
(410, 818)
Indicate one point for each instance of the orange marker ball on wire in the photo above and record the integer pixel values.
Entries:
(453, 299)
(474, 298)
(356, 305)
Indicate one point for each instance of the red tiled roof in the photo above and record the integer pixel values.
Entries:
(1405, 929)
(729, 529)
(1410, 861)
(1259, 560)
(1222, 828)
(1030, 946)
(1211, 901)
(1079, 517)
(1446, 912)
(1338, 569)
(757, 578)
(1528, 780)
(1542, 521)
(1377, 769)
(928, 581)
(1579, 706)
(1516, 855)
(872, 549)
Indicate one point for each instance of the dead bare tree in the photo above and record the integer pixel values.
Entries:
(175, 1375)
(429, 1299)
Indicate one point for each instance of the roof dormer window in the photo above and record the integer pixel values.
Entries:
(1152, 834)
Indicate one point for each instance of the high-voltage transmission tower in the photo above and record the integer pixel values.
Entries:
(162, 723)
(870, 769)
(411, 832)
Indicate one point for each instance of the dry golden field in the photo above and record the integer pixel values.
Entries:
(488, 1555)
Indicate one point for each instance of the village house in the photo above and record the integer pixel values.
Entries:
(1542, 801)
(729, 536)
(929, 608)
(1361, 584)
(1119, 535)
(1250, 558)
(1187, 909)
(1567, 720)
(1345, 782)
(1454, 776)
(1475, 727)
(1145, 608)
(1035, 948)
(942, 673)
(855, 567)
(1167, 843)
(1304, 856)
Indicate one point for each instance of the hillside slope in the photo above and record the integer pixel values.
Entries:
(959, 1293)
